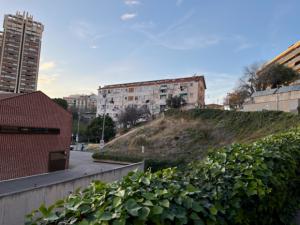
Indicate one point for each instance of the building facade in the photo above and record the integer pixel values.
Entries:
(113, 99)
(35, 135)
(289, 58)
(285, 99)
(20, 46)
(82, 103)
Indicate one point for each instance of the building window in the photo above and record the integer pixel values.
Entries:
(136, 98)
(130, 98)
(191, 95)
(191, 84)
(130, 90)
(28, 130)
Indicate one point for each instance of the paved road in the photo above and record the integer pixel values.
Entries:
(81, 164)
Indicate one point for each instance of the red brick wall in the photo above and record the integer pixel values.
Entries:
(27, 154)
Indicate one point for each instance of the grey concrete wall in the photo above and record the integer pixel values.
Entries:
(14, 207)
(283, 105)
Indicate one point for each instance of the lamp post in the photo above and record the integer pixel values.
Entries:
(103, 124)
(78, 121)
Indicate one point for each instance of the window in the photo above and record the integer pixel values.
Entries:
(136, 98)
(191, 95)
(130, 90)
(28, 130)
(130, 98)
(191, 84)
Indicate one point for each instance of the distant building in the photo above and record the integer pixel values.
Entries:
(289, 58)
(20, 46)
(82, 103)
(35, 135)
(285, 99)
(113, 99)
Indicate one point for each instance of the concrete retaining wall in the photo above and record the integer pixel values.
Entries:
(14, 207)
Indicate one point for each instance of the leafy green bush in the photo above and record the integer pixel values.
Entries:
(237, 185)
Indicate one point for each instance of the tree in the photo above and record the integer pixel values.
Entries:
(248, 82)
(62, 102)
(132, 114)
(236, 99)
(276, 75)
(175, 102)
(94, 129)
(257, 79)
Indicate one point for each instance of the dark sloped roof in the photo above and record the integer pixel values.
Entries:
(31, 110)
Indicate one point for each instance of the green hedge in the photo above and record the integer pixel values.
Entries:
(238, 185)
(153, 164)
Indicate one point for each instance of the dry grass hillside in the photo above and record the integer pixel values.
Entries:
(188, 135)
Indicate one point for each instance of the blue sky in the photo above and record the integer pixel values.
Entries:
(87, 43)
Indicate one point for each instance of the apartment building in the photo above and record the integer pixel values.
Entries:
(20, 45)
(113, 99)
(289, 58)
(83, 103)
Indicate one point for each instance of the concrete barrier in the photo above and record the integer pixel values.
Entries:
(14, 206)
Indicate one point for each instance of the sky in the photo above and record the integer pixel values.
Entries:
(91, 43)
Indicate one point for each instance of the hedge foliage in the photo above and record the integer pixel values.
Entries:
(237, 185)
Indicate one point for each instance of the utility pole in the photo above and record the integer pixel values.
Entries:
(103, 124)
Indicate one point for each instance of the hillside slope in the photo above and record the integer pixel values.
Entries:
(190, 134)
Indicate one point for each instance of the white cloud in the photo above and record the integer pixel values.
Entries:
(94, 46)
(47, 66)
(178, 36)
(89, 33)
(82, 29)
(131, 2)
(128, 16)
(46, 79)
(179, 2)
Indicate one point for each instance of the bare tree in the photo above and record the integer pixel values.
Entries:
(131, 115)
(175, 102)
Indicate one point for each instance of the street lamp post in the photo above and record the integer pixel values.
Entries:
(103, 124)
(77, 135)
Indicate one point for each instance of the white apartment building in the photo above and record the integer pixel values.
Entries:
(113, 99)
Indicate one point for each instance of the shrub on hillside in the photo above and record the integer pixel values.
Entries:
(236, 185)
